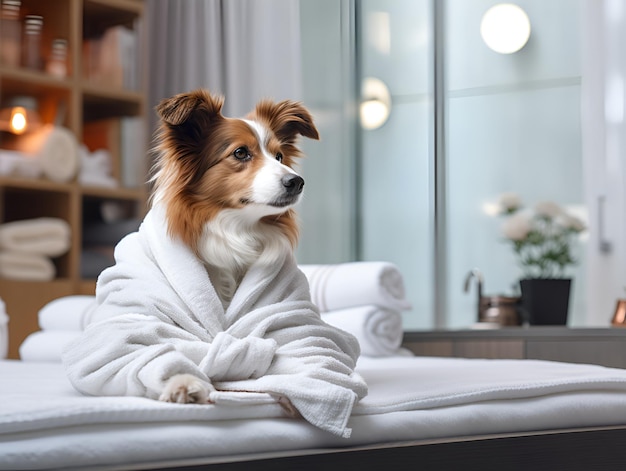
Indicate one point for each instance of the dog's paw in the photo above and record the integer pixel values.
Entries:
(288, 407)
(186, 389)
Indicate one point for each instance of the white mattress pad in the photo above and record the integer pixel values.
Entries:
(45, 424)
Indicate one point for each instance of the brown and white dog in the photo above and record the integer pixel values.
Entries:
(228, 187)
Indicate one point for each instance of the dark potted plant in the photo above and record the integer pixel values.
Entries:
(541, 238)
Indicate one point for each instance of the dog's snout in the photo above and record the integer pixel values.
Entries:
(293, 184)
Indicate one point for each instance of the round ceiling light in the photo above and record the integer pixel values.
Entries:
(505, 28)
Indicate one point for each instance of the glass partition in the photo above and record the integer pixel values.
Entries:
(512, 124)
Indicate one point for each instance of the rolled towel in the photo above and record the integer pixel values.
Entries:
(42, 236)
(356, 284)
(70, 313)
(379, 331)
(56, 150)
(26, 267)
(46, 346)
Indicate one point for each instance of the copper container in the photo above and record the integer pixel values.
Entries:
(619, 317)
(502, 310)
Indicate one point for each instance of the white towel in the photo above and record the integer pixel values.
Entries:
(379, 331)
(26, 267)
(19, 164)
(55, 149)
(42, 236)
(159, 315)
(46, 346)
(67, 313)
(95, 168)
(356, 284)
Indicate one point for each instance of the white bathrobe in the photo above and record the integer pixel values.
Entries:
(159, 315)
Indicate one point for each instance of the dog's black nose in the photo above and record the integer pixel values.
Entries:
(293, 184)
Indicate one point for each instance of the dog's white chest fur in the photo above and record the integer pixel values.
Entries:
(232, 243)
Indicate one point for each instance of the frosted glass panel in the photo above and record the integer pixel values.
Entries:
(327, 212)
(513, 125)
(396, 204)
(395, 44)
(552, 52)
(534, 151)
(395, 197)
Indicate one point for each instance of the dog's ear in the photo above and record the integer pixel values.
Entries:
(180, 108)
(287, 119)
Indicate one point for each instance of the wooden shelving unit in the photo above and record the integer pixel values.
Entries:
(78, 104)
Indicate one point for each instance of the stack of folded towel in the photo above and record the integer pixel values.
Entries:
(27, 247)
(363, 298)
(61, 321)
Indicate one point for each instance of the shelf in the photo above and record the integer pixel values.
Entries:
(98, 15)
(102, 102)
(93, 105)
(43, 185)
(36, 184)
(23, 80)
(113, 193)
(33, 295)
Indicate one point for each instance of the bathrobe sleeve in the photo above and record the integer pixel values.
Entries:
(131, 355)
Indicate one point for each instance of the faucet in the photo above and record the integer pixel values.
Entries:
(475, 273)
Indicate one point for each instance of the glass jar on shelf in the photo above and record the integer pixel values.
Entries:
(10, 32)
(57, 62)
(31, 49)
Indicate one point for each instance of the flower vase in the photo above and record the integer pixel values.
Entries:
(546, 300)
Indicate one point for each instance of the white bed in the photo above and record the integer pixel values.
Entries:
(431, 413)
(413, 402)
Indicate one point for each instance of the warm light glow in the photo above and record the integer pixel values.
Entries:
(374, 113)
(491, 209)
(379, 31)
(18, 122)
(505, 28)
(18, 115)
(376, 103)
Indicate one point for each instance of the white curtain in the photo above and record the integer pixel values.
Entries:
(604, 148)
(243, 49)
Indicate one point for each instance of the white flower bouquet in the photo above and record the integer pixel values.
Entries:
(541, 237)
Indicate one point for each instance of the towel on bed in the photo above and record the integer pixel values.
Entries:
(26, 266)
(379, 331)
(42, 236)
(46, 345)
(159, 315)
(356, 284)
(67, 313)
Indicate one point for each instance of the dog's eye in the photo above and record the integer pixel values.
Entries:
(279, 157)
(242, 153)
